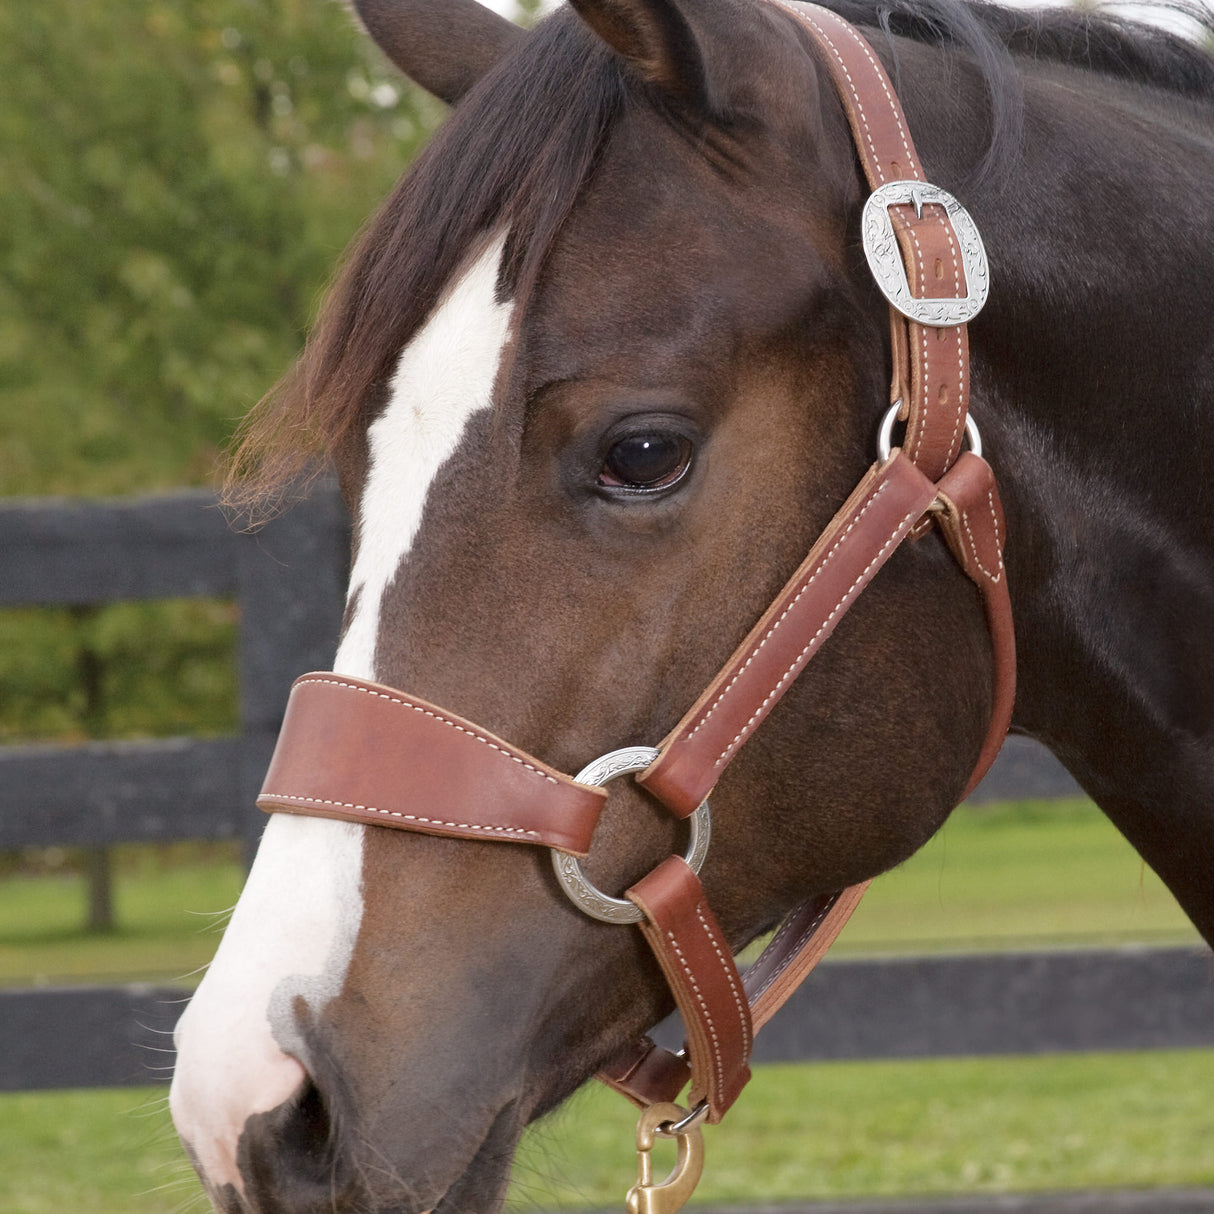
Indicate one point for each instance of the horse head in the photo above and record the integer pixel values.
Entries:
(594, 380)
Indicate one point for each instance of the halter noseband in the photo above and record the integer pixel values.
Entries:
(362, 752)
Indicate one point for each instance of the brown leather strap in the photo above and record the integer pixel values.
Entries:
(802, 941)
(355, 750)
(647, 1073)
(971, 518)
(683, 933)
(973, 526)
(886, 504)
(874, 113)
(931, 365)
(931, 379)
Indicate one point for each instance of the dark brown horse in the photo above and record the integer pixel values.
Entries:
(594, 379)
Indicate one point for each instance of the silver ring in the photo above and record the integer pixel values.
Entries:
(568, 869)
(886, 433)
(673, 1129)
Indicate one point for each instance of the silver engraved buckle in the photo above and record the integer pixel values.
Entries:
(885, 258)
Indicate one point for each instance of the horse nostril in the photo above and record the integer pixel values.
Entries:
(289, 1156)
(308, 1134)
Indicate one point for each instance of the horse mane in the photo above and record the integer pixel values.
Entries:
(1089, 39)
(1083, 37)
(517, 151)
(513, 155)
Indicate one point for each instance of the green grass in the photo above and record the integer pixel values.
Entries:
(799, 1132)
(169, 911)
(1024, 875)
(838, 1130)
(1031, 874)
(105, 1152)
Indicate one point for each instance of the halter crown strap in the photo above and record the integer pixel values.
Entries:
(931, 362)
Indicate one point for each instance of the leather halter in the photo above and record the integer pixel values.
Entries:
(359, 751)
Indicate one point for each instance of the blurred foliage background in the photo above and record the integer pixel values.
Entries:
(177, 182)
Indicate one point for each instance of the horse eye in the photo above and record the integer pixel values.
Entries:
(646, 461)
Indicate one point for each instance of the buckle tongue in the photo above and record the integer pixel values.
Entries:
(885, 257)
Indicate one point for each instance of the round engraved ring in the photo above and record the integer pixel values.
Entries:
(588, 897)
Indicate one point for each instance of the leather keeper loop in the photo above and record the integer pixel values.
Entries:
(646, 1074)
(973, 526)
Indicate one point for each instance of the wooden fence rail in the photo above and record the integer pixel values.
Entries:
(288, 580)
(911, 1007)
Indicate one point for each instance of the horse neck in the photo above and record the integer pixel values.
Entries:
(1092, 372)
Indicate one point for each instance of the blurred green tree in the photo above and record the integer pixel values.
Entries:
(177, 181)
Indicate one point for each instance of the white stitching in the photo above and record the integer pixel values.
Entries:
(959, 415)
(731, 975)
(912, 170)
(958, 332)
(855, 93)
(394, 813)
(781, 931)
(776, 691)
(926, 377)
(780, 620)
(993, 577)
(795, 950)
(426, 712)
(908, 228)
(858, 102)
(707, 1019)
(958, 275)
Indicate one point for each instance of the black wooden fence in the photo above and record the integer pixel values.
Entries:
(288, 580)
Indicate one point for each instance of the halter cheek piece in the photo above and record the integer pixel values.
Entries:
(362, 752)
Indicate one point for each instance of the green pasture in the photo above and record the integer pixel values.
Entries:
(831, 1130)
(170, 906)
(1013, 876)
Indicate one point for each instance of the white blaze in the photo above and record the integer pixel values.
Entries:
(293, 931)
(445, 374)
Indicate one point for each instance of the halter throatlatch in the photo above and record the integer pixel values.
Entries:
(355, 750)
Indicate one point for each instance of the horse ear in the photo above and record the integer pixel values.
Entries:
(658, 38)
(446, 46)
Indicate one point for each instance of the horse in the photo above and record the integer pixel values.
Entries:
(593, 380)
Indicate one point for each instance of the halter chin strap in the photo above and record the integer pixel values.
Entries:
(355, 750)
